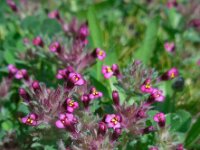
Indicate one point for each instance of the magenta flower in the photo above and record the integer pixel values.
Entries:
(115, 97)
(83, 31)
(153, 148)
(146, 86)
(169, 46)
(172, 4)
(172, 73)
(198, 62)
(21, 74)
(107, 72)
(115, 69)
(38, 41)
(71, 105)
(54, 15)
(64, 73)
(113, 121)
(160, 119)
(157, 95)
(12, 70)
(66, 120)
(55, 47)
(94, 94)
(179, 147)
(76, 79)
(30, 119)
(100, 54)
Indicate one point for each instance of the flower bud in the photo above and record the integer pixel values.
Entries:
(102, 129)
(36, 85)
(38, 41)
(116, 134)
(115, 97)
(180, 147)
(24, 94)
(160, 119)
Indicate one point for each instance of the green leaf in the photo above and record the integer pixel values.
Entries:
(193, 134)
(7, 125)
(96, 34)
(9, 57)
(50, 27)
(145, 52)
(181, 121)
(174, 18)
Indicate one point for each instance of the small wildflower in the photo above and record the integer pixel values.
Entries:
(55, 47)
(115, 69)
(153, 148)
(30, 119)
(146, 86)
(107, 72)
(38, 41)
(66, 121)
(113, 121)
(54, 15)
(64, 73)
(94, 94)
(172, 4)
(169, 46)
(160, 119)
(76, 79)
(36, 86)
(157, 95)
(71, 105)
(180, 147)
(12, 70)
(100, 54)
(170, 74)
(21, 74)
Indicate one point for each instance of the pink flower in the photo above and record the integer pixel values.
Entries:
(172, 73)
(66, 120)
(107, 72)
(55, 47)
(160, 119)
(100, 54)
(30, 119)
(83, 31)
(94, 94)
(71, 105)
(146, 86)
(38, 41)
(180, 147)
(172, 4)
(198, 62)
(115, 69)
(21, 74)
(76, 79)
(113, 121)
(157, 95)
(153, 148)
(12, 70)
(169, 46)
(64, 73)
(54, 15)
(195, 23)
